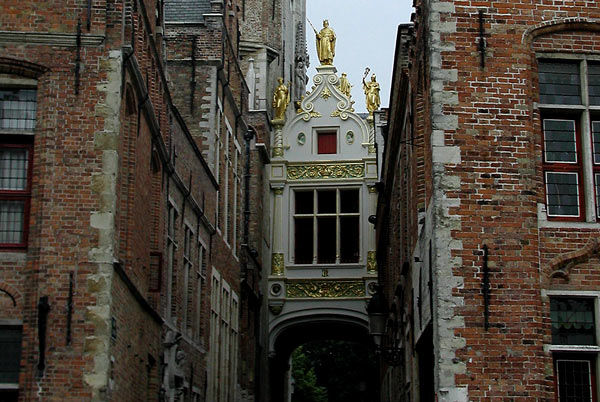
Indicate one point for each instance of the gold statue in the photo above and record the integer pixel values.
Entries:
(281, 98)
(325, 44)
(371, 89)
(345, 86)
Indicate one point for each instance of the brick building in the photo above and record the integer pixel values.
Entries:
(131, 233)
(488, 215)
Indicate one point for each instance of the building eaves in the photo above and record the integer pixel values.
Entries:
(186, 11)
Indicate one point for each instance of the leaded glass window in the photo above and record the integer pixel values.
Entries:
(572, 321)
(17, 109)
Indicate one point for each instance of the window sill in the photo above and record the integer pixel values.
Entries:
(7, 131)
(544, 222)
(11, 255)
(356, 265)
(572, 348)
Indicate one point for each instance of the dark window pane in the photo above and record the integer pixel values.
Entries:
(326, 202)
(9, 395)
(11, 221)
(17, 109)
(572, 321)
(559, 83)
(13, 168)
(349, 238)
(559, 141)
(327, 142)
(326, 239)
(594, 83)
(303, 235)
(574, 380)
(562, 192)
(304, 202)
(596, 141)
(348, 201)
(10, 354)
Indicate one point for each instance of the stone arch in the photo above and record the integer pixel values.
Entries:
(326, 319)
(21, 67)
(305, 326)
(11, 301)
(559, 25)
(561, 265)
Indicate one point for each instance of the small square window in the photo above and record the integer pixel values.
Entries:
(560, 141)
(562, 193)
(327, 142)
(326, 201)
(304, 202)
(572, 321)
(559, 83)
(575, 377)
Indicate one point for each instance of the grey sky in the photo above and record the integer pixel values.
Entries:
(366, 36)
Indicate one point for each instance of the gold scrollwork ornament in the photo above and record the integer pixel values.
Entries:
(277, 264)
(325, 289)
(372, 262)
(325, 171)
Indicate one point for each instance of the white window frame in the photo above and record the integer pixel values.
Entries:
(315, 215)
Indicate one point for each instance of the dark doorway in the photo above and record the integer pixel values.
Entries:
(334, 371)
(426, 361)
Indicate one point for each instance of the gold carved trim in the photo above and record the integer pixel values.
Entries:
(315, 114)
(324, 289)
(336, 113)
(278, 191)
(372, 189)
(277, 151)
(325, 171)
(277, 264)
(325, 93)
(372, 262)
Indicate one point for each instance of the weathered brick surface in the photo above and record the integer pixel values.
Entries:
(480, 182)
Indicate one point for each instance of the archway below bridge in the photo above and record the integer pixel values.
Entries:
(346, 340)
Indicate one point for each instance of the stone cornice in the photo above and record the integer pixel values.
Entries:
(50, 38)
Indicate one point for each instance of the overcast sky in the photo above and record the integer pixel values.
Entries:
(366, 37)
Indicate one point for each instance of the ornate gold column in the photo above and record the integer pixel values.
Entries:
(277, 260)
(371, 246)
(278, 138)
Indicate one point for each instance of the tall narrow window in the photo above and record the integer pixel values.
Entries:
(10, 362)
(188, 283)
(15, 194)
(573, 327)
(200, 279)
(171, 263)
(326, 226)
(17, 116)
(570, 123)
(562, 168)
